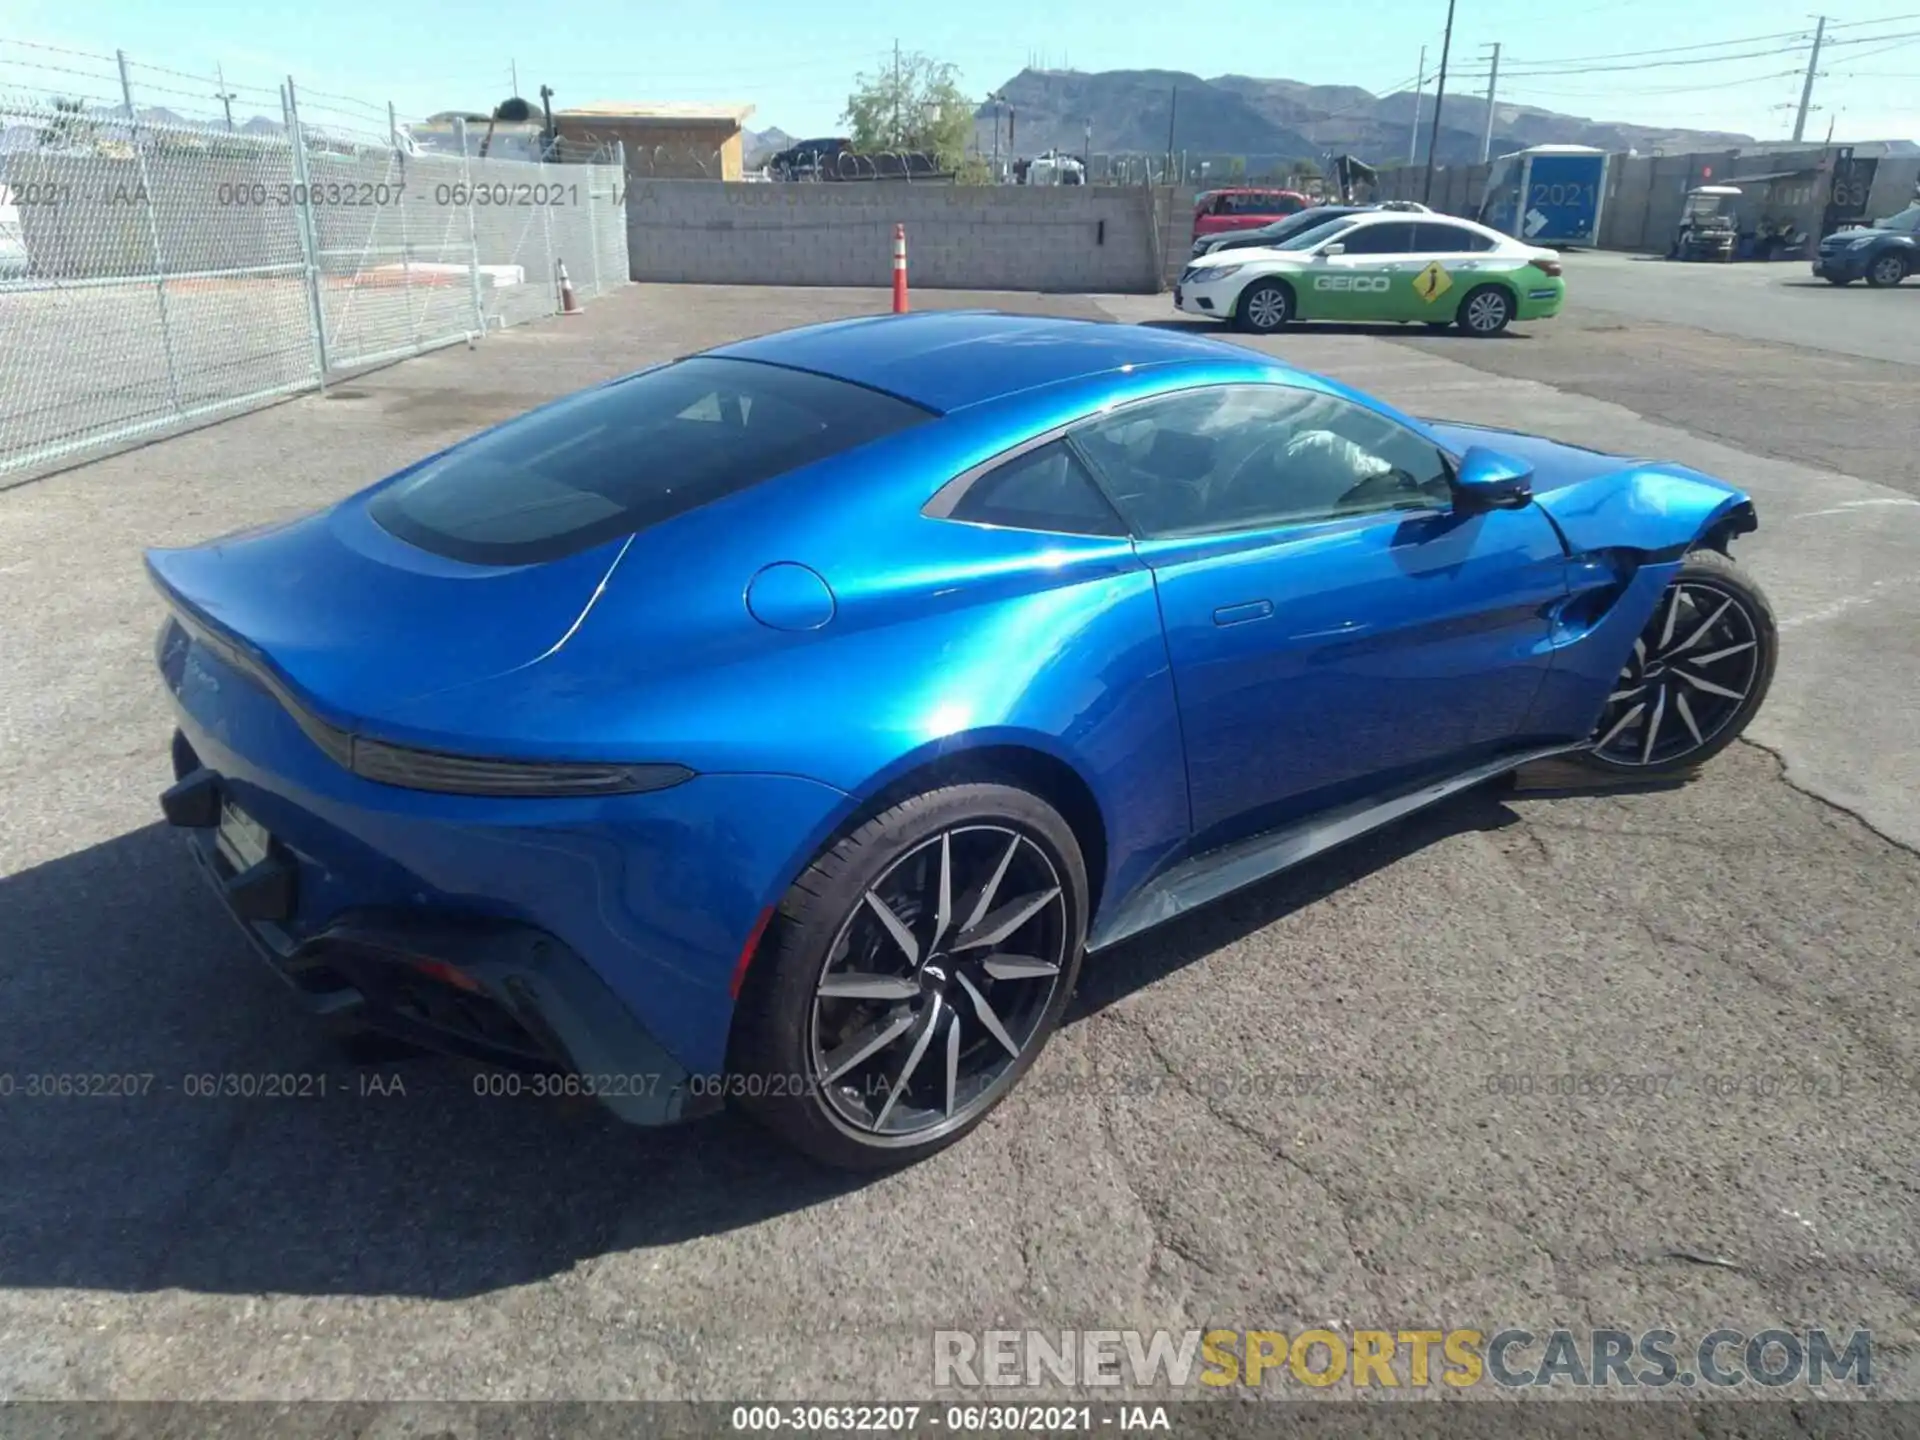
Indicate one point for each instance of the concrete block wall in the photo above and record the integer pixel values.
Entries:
(986, 237)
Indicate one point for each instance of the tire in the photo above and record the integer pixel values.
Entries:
(1886, 271)
(834, 977)
(1485, 312)
(1711, 613)
(1265, 306)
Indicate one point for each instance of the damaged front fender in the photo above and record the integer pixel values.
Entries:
(1661, 511)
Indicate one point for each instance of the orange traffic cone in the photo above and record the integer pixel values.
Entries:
(899, 269)
(568, 304)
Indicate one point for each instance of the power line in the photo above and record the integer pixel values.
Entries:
(1883, 20)
(1527, 68)
(1670, 49)
(1557, 91)
(1658, 64)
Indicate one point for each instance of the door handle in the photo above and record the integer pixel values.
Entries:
(1241, 614)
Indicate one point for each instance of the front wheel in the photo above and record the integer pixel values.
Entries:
(1886, 271)
(912, 975)
(1265, 306)
(1697, 674)
(1486, 312)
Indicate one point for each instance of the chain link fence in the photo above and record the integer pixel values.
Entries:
(156, 271)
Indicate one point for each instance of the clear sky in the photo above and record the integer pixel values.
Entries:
(795, 62)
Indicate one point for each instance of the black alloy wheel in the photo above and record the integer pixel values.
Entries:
(1697, 674)
(922, 964)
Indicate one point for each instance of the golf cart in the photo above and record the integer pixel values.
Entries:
(1707, 230)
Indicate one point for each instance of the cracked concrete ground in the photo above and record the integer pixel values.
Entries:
(1537, 1057)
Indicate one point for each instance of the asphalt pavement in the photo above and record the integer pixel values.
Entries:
(1782, 302)
(1344, 1098)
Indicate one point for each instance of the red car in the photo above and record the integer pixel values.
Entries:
(1243, 208)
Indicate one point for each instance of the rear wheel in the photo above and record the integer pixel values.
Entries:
(1887, 270)
(1265, 306)
(913, 975)
(1485, 312)
(1697, 675)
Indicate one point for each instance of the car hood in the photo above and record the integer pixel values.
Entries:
(1246, 255)
(1874, 232)
(1608, 502)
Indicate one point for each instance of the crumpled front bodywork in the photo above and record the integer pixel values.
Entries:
(1627, 525)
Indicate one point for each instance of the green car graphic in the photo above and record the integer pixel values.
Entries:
(1379, 266)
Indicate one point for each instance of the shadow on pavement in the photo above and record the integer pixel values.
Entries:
(1389, 328)
(127, 999)
(122, 974)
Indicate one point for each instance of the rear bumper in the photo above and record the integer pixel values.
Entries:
(489, 990)
(1540, 302)
(646, 902)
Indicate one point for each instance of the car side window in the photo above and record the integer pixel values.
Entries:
(1044, 489)
(1450, 239)
(1246, 457)
(1393, 238)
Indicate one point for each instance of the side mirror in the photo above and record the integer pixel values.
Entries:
(1332, 248)
(1488, 480)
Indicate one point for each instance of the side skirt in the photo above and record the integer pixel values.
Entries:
(1206, 878)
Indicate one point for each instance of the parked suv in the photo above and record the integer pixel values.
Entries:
(1243, 208)
(1883, 254)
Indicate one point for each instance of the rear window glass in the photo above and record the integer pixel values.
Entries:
(1044, 489)
(620, 458)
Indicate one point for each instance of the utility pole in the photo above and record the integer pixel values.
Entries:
(1806, 90)
(1493, 84)
(225, 96)
(1439, 99)
(896, 93)
(1419, 94)
(1173, 112)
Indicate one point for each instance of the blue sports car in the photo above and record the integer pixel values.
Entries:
(784, 723)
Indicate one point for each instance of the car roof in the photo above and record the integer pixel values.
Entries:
(1416, 217)
(948, 359)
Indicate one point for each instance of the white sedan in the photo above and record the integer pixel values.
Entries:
(1380, 265)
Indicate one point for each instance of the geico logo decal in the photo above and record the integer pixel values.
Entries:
(1371, 284)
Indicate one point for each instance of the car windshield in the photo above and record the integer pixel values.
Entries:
(616, 459)
(1908, 219)
(1307, 239)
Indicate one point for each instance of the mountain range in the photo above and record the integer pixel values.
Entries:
(1130, 111)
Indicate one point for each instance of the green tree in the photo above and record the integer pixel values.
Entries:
(914, 103)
